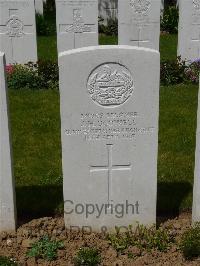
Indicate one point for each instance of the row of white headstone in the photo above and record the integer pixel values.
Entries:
(138, 25)
(77, 26)
(108, 9)
(109, 106)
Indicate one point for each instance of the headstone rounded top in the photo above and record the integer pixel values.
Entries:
(107, 47)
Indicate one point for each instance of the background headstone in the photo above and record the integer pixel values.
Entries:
(77, 23)
(7, 190)
(18, 31)
(189, 30)
(39, 6)
(162, 8)
(109, 124)
(139, 23)
(196, 188)
(108, 9)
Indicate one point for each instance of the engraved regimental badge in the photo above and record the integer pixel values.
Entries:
(15, 27)
(140, 6)
(196, 4)
(110, 84)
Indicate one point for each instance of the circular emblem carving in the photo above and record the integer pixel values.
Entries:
(15, 27)
(140, 6)
(196, 4)
(110, 84)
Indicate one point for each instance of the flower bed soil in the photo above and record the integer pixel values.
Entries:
(16, 245)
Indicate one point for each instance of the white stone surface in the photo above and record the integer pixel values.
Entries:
(162, 4)
(189, 30)
(77, 23)
(18, 31)
(109, 122)
(39, 6)
(7, 194)
(139, 23)
(108, 9)
(196, 188)
(162, 7)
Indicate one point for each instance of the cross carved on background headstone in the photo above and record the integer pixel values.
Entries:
(78, 25)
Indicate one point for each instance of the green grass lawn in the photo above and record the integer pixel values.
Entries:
(177, 127)
(35, 124)
(168, 47)
(47, 46)
(37, 149)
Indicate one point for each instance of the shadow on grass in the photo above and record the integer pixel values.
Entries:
(170, 197)
(38, 201)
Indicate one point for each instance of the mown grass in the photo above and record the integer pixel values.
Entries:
(35, 124)
(47, 46)
(168, 47)
(177, 127)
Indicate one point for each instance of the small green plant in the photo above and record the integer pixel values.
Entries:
(192, 72)
(48, 70)
(143, 238)
(45, 248)
(159, 239)
(24, 77)
(190, 242)
(50, 6)
(35, 76)
(5, 261)
(173, 72)
(111, 27)
(130, 255)
(119, 242)
(42, 26)
(87, 256)
(169, 21)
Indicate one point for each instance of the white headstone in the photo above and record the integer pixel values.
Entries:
(109, 120)
(18, 31)
(108, 9)
(196, 188)
(39, 6)
(189, 30)
(139, 23)
(162, 8)
(7, 194)
(77, 23)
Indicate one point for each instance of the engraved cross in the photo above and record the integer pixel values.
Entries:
(14, 28)
(78, 25)
(109, 168)
(197, 40)
(138, 39)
